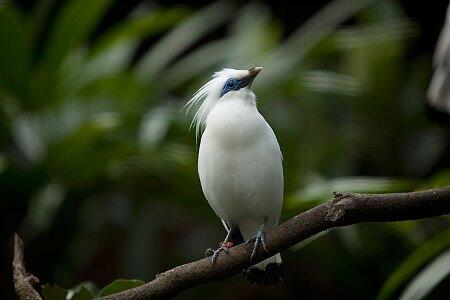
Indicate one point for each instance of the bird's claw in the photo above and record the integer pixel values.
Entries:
(215, 253)
(260, 239)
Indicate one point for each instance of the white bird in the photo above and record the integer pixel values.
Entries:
(240, 165)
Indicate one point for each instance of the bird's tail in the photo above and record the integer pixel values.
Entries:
(267, 272)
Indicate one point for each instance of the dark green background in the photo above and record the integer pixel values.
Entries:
(98, 169)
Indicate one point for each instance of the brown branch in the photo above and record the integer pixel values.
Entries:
(344, 209)
(23, 281)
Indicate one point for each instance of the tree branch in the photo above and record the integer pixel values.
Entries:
(23, 281)
(344, 209)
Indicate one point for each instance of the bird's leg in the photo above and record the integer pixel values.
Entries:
(260, 239)
(223, 246)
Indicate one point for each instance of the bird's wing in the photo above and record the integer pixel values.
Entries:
(439, 89)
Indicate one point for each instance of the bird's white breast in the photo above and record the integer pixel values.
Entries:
(240, 164)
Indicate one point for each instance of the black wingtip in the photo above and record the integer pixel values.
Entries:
(273, 274)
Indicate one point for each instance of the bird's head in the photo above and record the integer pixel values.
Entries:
(225, 84)
(232, 81)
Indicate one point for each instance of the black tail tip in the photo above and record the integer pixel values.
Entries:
(272, 274)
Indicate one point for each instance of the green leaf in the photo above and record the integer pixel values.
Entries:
(428, 279)
(247, 42)
(181, 38)
(53, 292)
(111, 54)
(75, 22)
(138, 26)
(14, 52)
(113, 51)
(307, 36)
(413, 263)
(44, 206)
(251, 33)
(120, 285)
(82, 294)
(331, 82)
(82, 291)
(321, 190)
(195, 63)
(439, 179)
(39, 17)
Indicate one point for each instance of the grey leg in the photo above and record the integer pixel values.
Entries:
(260, 240)
(223, 247)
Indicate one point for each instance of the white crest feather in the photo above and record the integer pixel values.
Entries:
(207, 97)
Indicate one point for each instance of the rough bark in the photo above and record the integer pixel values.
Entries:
(23, 281)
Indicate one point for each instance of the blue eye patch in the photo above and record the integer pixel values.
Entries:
(234, 84)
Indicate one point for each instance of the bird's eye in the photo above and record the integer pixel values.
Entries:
(231, 84)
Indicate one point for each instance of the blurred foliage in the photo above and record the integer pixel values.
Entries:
(427, 279)
(88, 290)
(99, 171)
(53, 292)
(120, 285)
(424, 254)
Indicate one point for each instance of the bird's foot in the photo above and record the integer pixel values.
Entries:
(260, 239)
(223, 247)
